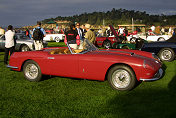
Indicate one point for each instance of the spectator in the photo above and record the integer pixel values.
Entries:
(9, 43)
(71, 34)
(120, 31)
(79, 30)
(162, 31)
(153, 28)
(173, 38)
(84, 30)
(90, 35)
(157, 30)
(27, 32)
(38, 34)
(2, 31)
(143, 30)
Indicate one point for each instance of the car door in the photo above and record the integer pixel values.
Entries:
(92, 67)
(63, 65)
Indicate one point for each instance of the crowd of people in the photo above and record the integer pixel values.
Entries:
(75, 35)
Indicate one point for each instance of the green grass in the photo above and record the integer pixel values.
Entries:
(72, 98)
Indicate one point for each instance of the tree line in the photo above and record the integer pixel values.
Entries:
(118, 16)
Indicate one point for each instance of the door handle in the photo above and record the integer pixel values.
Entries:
(51, 58)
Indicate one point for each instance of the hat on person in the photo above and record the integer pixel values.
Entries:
(87, 26)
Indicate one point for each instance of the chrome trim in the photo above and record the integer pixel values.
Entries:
(51, 58)
(158, 74)
(13, 67)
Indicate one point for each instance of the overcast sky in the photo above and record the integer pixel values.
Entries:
(27, 12)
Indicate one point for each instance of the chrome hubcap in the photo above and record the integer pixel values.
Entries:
(166, 55)
(121, 78)
(31, 71)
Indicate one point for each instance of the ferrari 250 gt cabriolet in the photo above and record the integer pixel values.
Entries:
(123, 68)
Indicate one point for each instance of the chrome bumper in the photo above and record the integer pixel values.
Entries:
(157, 76)
(13, 67)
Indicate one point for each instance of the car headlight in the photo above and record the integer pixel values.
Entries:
(147, 65)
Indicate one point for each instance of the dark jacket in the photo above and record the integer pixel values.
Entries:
(71, 35)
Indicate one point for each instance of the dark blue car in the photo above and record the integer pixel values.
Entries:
(165, 50)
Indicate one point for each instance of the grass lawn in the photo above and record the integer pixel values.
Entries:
(72, 98)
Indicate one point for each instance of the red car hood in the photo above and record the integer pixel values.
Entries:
(127, 52)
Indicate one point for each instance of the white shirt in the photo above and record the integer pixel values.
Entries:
(79, 33)
(153, 28)
(9, 39)
(121, 30)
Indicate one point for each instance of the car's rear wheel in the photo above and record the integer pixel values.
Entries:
(122, 77)
(107, 44)
(166, 54)
(161, 39)
(24, 48)
(133, 40)
(31, 71)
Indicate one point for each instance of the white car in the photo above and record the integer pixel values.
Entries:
(54, 37)
(149, 38)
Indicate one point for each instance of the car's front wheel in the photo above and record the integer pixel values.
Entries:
(57, 39)
(31, 71)
(107, 44)
(166, 54)
(122, 77)
(133, 40)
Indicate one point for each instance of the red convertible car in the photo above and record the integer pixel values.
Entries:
(124, 69)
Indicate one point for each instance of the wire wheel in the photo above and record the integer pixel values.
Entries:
(32, 71)
(122, 77)
(167, 54)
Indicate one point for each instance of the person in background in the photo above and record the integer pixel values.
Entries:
(121, 31)
(158, 30)
(27, 32)
(79, 30)
(152, 28)
(71, 36)
(9, 43)
(173, 38)
(90, 35)
(2, 31)
(38, 34)
(84, 31)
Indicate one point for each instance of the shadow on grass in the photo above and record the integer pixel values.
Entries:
(145, 102)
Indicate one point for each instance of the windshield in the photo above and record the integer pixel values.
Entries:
(81, 47)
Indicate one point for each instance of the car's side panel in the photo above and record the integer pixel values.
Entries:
(95, 66)
(62, 65)
(92, 67)
(155, 47)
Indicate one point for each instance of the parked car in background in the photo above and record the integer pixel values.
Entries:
(116, 41)
(149, 37)
(23, 43)
(124, 69)
(166, 50)
(52, 36)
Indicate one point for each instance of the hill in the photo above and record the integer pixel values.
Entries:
(118, 16)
